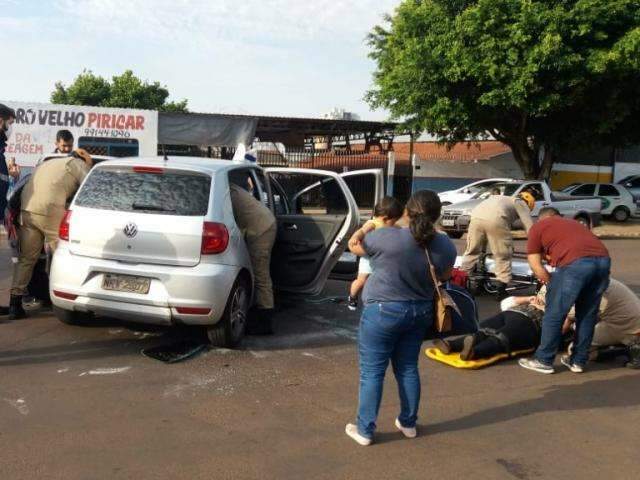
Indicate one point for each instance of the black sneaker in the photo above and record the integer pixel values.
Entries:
(467, 351)
(352, 303)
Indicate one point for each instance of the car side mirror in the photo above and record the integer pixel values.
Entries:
(628, 185)
(466, 190)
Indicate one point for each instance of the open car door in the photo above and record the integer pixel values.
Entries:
(316, 214)
(367, 187)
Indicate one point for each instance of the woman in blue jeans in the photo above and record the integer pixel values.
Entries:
(398, 309)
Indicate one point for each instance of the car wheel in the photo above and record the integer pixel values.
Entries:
(71, 317)
(621, 214)
(455, 235)
(229, 330)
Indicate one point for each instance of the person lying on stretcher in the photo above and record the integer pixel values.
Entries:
(514, 329)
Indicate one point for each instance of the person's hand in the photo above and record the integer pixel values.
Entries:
(14, 168)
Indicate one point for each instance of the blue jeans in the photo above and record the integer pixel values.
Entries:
(391, 331)
(582, 284)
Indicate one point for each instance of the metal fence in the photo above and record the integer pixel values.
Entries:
(337, 160)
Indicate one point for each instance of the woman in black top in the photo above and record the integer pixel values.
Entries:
(518, 327)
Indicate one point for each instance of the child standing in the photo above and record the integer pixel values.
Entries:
(385, 214)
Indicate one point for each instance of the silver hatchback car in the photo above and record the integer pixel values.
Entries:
(154, 240)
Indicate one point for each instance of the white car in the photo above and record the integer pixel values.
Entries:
(155, 241)
(465, 193)
(617, 202)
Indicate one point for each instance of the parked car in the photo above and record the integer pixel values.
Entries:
(617, 201)
(468, 191)
(632, 183)
(456, 218)
(155, 241)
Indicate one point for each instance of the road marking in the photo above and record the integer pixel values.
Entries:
(19, 404)
(63, 370)
(105, 371)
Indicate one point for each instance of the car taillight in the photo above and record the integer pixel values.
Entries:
(215, 238)
(63, 231)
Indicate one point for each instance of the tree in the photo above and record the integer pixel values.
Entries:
(124, 91)
(541, 76)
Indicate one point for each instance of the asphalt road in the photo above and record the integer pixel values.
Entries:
(83, 403)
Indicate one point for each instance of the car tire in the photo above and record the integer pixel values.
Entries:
(229, 331)
(621, 214)
(455, 235)
(71, 317)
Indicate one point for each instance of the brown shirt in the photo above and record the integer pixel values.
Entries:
(251, 215)
(564, 241)
(498, 208)
(52, 185)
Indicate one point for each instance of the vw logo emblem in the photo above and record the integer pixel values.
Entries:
(130, 229)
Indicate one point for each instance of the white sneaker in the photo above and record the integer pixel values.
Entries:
(352, 431)
(574, 367)
(535, 365)
(407, 432)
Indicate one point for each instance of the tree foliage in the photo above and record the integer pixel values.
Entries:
(124, 91)
(542, 76)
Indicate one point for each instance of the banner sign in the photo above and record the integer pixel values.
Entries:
(98, 129)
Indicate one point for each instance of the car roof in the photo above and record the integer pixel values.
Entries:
(201, 164)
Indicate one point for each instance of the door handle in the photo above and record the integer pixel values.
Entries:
(290, 226)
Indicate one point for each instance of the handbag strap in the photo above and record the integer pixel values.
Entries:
(432, 270)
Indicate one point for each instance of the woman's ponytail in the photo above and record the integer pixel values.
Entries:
(423, 210)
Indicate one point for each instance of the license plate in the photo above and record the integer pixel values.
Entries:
(126, 283)
(448, 222)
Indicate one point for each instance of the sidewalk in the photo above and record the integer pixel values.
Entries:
(608, 230)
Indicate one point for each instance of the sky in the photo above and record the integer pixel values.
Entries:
(265, 57)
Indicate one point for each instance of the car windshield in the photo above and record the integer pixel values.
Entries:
(167, 193)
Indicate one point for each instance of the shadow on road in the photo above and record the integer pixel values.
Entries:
(594, 394)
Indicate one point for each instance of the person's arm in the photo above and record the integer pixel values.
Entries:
(541, 273)
(525, 215)
(355, 242)
(524, 300)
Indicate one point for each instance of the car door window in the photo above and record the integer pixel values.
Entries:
(261, 182)
(586, 190)
(635, 183)
(608, 191)
(313, 232)
(367, 187)
(244, 179)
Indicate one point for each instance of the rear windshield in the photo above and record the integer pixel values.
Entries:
(168, 193)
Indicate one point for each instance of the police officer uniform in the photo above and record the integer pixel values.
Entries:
(491, 223)
(258, 225)
(43, 203)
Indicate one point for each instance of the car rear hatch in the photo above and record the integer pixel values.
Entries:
(140, 215)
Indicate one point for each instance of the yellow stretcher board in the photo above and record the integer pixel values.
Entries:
(453, 359)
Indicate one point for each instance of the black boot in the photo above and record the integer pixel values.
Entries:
(16, 311)
(259, 322)
(634, 357)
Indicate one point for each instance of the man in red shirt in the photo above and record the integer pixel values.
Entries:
(582, 275)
